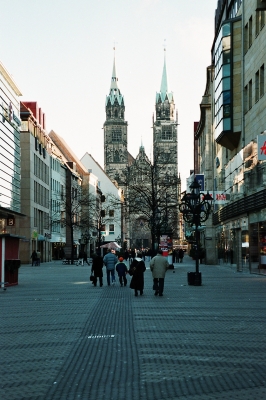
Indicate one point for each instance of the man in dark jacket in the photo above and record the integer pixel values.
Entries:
(110, 261)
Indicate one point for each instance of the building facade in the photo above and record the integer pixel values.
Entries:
(35, 183)
(238, 127)
(117, 160)
(116, 157)
(10, 163)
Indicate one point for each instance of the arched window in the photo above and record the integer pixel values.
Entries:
(116, 156)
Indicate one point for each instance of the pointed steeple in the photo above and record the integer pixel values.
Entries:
(114, 79)
(141, 146)
(164, 94)
(164, 86)
(114, 94)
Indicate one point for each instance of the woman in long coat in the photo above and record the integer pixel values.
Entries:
(97, 269)
(137, 270)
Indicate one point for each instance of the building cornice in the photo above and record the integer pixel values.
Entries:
(9, 79)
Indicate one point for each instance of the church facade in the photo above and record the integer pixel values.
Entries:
(119, 164)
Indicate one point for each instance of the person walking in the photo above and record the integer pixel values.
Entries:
(137, 270)
(132, 255)
(97, 269)
(158, 267)
(110, 261)
(33, 258)
(181, 255)
(38, 258)
(121, 269)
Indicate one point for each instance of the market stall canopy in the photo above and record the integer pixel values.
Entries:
(111, 245)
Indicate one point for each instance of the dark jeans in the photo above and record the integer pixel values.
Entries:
(158, 285)
(122, 279)
(112, 272)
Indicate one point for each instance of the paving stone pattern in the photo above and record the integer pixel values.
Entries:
(61, 338)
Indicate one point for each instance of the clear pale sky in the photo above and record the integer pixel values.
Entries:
(60, 54)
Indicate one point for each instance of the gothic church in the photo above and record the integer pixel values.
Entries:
(117, 159)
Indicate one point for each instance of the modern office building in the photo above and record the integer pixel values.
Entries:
(238, 130)
(10, 163)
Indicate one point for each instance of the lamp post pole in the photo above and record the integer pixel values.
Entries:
(196, 208)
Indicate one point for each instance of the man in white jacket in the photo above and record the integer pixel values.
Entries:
(158, 266)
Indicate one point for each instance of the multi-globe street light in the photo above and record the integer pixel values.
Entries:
(195, 207)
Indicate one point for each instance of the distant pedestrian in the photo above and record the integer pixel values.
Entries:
(81, 258)
(121, 269)
(137, 269)
(97, 269)
(148, 255)
(132, 255)
(174, 256)
(33, 258)
(181, 255)
(38, 258)
(110, 261)
(158, 266)
(126, 255)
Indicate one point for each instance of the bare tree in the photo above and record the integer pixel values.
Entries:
(152, 196)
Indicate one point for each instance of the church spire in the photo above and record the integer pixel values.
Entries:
(114, 94)
(114, 79)
(164, 86)
(164, 102)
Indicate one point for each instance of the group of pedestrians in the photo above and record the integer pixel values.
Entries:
(35, 258)
(158, 266)
(178, 255)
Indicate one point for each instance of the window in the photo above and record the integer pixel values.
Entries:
(116, 156)
(111, 213)
(250, 94)
(167, 134)
(257, 86)
(250, 32)
(111, 228)
(246, 38)
(262, 80)
(258, 20)
(116, 135)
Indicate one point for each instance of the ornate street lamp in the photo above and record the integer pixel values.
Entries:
(196, 208)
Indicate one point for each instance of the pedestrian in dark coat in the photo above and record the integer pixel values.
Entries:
(33, 258)
(137, 270)
(121, 269)
(181, 255)
(97, 269)
(126, 255)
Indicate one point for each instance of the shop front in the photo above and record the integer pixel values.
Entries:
(233, 244)
(258, 247)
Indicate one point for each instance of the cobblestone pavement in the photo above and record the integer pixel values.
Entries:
(62, 338)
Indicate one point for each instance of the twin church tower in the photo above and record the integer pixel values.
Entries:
(116, 156)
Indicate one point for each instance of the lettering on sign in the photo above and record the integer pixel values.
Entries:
(10, 221)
